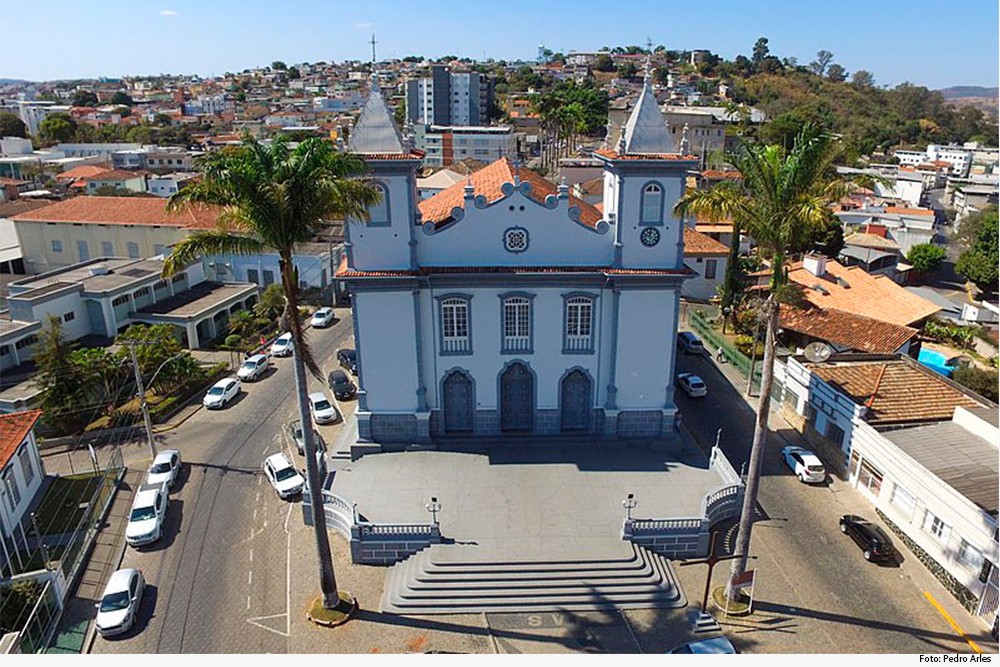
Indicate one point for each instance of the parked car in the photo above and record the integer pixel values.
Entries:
(322, 318)
(282, 345)
(165, 468)
(348, 359)
(806, 465)
(119, 605)
(323, 411)
(294, 430)
(221, 393)
(342, 386)
(874, 543)
(253, 367)
(692, 385)
(690, 343)
(716, 645)
(149, 509)
(283, 476)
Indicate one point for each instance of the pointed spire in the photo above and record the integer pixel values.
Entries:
(685, 144)
(375, 131)
(646, 131)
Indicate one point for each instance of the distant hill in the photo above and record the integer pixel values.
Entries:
(12, 82)
(957, 92)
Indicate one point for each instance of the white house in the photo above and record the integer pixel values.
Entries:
(21, 475)
(503, 305)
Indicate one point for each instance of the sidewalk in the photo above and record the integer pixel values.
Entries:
(76, 630)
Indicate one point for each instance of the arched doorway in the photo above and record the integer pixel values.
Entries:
(517, 398)
(458, 402)
(575, 403)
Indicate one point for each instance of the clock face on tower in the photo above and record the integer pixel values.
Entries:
(650, 236)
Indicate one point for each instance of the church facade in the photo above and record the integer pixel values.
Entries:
(503, 306)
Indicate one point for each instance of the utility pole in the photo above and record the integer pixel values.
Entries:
(131, 345)
(373, 42)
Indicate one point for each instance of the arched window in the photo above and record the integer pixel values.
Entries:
(652, 204)
(379, 213)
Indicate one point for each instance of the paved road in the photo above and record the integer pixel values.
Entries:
(811, 574)
(217, 580)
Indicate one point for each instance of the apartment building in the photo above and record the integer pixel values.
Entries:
(445, 145)
(449, 98)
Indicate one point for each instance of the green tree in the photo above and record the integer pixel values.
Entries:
(57, 127)
(863, 79)
(925, 257)
(160, 354)
(293, 73)
(784, 196)
(272, 302)
(732, 288)
(274, 198)
(760, 50)
(980, 259)
(67, 390)
(84, 98)
(604, 63)
(11, 125)
(627, 71)
(983, 382)
(278, 65)
(19, 598)
(836, 73)
(818, 66)
(122, 98)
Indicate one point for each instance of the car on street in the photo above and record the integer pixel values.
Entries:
(283, 476)
(165, 468)
(806, 465)
(692, 385)
(875, 545)
(716, 645)
(341, 385)
(282, 345)
(149, 511)
(294, 430)
(253, 367)
(348, 358)
(323, 410)
(689, 343)
(221, 393)
(322, 318)
(119, 605)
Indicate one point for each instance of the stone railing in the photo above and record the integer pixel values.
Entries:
(688, 537)
(373, 543)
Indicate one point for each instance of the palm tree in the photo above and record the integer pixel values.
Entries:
(783, 198)
(273, 198)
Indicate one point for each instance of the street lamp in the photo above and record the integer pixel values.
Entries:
(629, 504)
(434, 507)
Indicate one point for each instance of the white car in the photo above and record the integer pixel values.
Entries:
(322, 318)
(692, 385)
(149, 509)
(253, 367)
(323, 411)
(283, 476)
(165, 468)
(221, 393)
(717, 645)
(806, 465)
(119, 605)
(282, 345)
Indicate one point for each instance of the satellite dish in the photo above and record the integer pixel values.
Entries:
(817, 352)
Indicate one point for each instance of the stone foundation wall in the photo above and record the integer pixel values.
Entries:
(965, 597)
(640, 423)
(385, 552)
(393, 428)
(546, 422)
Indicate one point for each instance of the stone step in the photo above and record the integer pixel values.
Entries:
(419, 586)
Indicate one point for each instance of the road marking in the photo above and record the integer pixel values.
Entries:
(952, 622)
(253, 621)
(255, 515)
(250, 577)
(251, 555)
(288, 586)
(248, 603)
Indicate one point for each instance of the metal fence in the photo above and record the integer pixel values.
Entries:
(714, 341)
(42, 621)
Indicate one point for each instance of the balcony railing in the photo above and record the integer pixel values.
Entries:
(579, 343)
(456, 345)
(516, 343)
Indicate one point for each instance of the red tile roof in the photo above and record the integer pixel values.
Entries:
(14, 428)
(713, 174)
(122, 211)
(857, 332)
(84, 171)
(698, 244)
(613, 155)
(115, 175)
(487, 182)
(344, 272)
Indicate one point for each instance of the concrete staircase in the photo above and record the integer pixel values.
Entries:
(462, 579)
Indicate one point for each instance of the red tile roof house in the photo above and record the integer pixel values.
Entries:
(21, 475)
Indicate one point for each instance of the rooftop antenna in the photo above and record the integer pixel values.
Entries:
(373, 43)
(649, 44)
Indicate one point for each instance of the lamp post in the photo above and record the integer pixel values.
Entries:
(629, 504)
(434, 507)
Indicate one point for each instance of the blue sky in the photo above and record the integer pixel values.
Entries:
(935, 44)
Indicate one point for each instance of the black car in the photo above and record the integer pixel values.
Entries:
(341, 385)
(348, 359)
(874, 543)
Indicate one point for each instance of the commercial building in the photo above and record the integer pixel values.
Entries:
(445, 145)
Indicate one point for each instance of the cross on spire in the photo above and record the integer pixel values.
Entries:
(373, 43)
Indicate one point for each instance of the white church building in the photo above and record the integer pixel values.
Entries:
(503, 306)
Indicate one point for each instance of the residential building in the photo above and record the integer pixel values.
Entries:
(921, 449)
(707, 258)
(445, 145)
(78, 229)
(844, 331)
(442, 179)
(449, 98)
(33, 112)
(518, 330)
(968, 199)
(959, 157)
(21, 474)
(876, 254)
(155, 158)
(116, 179)
(167, 185)
(905, 226)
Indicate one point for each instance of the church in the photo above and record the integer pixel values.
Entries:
(505, 307)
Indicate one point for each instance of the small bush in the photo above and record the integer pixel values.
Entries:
(745, 344)
(981, 381)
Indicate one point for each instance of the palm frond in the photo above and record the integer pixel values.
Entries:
(209, 242)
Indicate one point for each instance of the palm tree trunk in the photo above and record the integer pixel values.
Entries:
(327, 577)
(757, 449)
